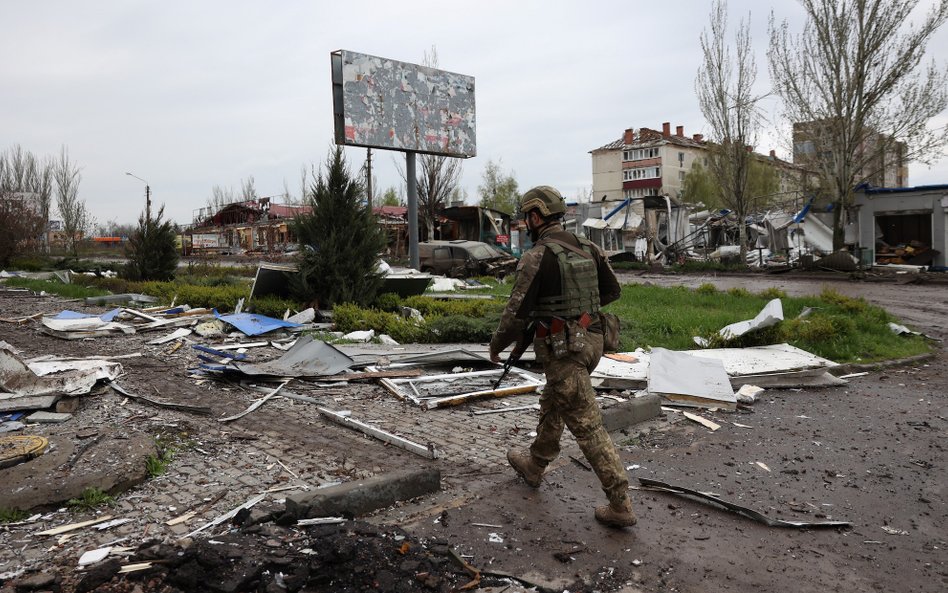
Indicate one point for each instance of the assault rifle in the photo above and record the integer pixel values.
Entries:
(519, 348)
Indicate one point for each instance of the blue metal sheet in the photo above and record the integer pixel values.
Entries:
(68, 314)
(255, 325)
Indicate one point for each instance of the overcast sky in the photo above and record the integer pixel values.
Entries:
(188, 95)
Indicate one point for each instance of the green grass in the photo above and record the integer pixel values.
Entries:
(89, 500)
(12, 515)
(69, 291)
(158, 464)
(840, 328)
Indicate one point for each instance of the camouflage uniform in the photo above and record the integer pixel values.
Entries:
(568, 400)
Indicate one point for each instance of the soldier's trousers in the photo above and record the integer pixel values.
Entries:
(568, 400)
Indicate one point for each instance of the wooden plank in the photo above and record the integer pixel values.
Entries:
(702, 421)
(466, 397)
(74, 526)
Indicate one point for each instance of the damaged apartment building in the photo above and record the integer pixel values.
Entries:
(638, 206)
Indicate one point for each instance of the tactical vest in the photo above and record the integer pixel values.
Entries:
(579, 284)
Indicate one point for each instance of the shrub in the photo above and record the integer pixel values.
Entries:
(90, 499)
(388, 301)
(457, 328)
(848, 304)
(773, 293)
(341, 241)
(739, 291)
(151, 250)
(812, 329)
(350, 317)
(706, 288)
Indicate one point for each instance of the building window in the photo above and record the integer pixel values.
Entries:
(640, 192)
(681, 176)
(641, 173)
(639, 154)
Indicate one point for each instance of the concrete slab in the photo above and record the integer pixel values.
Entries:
(114, 463)
(625, 414)
(357, 498)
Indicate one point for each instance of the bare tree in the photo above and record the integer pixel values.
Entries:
(220, 197)
(76, 218)
(499, 190)
(248, 189)
(856, 82)
(304, 184)
(725, 95)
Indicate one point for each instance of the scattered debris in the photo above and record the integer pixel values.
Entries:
(730, 506)
(308, 358)
(429, 390)
(75, 526)
(682, 379)
(776, 365)
(93, 556)
(252, 324)
(256, 404)
(702, 421)
(360, 336)
(501, 410)
(175, 335)
(344, 418)
(50, 377)
(853, 375)
(161, 404)
(770, 315)
(247, 505)
(894, 531)
(748, 393)
(41, 417)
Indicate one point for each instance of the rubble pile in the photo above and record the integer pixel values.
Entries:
(348, 557)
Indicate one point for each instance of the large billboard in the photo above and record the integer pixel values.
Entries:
(393, 105)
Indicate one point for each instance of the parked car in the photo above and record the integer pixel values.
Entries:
(462, 259)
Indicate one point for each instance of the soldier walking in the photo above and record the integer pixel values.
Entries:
(562, 282)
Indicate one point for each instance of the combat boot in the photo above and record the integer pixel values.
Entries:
(620, 515)
(529, 470)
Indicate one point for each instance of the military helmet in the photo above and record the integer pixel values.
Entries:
(543, 198)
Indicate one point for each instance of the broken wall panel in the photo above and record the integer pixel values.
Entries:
(684, 379)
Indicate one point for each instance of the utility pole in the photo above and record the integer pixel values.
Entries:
(368, 176)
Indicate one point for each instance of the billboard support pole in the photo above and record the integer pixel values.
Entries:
(412, 182)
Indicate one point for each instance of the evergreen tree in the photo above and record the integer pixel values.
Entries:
(151, 250)
(340, 239)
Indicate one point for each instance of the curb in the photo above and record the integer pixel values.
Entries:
(852, 367)
(363, 496)
(626, 414)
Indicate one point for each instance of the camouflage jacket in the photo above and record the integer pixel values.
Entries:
(538, 275)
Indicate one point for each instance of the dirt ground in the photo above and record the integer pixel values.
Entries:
(871, 452)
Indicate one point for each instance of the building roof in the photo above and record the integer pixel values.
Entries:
(649, 137)
(868, 189)
(391, 211)
(288, 210)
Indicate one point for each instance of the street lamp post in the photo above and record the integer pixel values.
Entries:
(147, 195)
